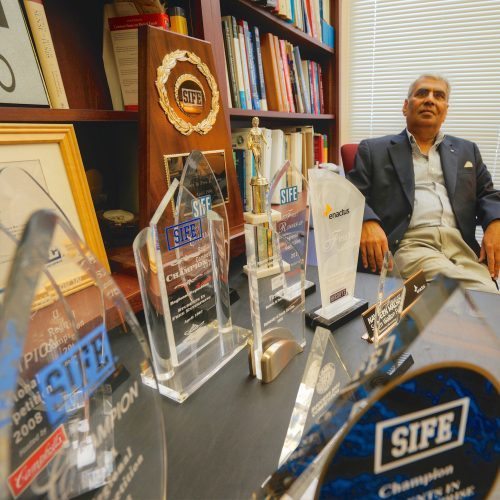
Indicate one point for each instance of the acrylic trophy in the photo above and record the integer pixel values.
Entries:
(390, 300)
(337, 211)
(276, 247)
(437, 418)
(324, 375)
(182, 261)
(75, 418)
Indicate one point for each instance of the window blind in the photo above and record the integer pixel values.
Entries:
(392, 42)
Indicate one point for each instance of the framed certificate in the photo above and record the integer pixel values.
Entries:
(41, 167)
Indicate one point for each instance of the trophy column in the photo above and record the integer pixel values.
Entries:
(278, 324)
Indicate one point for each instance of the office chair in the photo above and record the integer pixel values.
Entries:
(348, 153)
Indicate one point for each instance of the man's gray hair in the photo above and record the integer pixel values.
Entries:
(431, 77)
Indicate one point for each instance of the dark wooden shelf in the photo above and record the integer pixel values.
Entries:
(129, 285)
(279, 115)
(267, 21)
(46, 115)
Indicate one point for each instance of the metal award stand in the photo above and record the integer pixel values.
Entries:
(278, 333)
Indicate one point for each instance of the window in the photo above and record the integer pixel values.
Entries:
(394, 41)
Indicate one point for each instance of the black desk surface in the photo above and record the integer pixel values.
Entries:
(226, 438)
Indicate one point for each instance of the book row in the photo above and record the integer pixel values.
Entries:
(267, 73)
(301, 145)
(310, 16)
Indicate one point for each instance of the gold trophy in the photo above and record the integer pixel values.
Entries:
(278, 347)
(260, 185)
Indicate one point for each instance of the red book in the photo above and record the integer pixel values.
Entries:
(320, 90)
(318, 148)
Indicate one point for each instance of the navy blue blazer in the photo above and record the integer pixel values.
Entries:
(383, 172)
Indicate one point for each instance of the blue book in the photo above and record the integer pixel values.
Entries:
(252, 70)
(260, 70)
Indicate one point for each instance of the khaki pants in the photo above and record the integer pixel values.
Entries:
(442, 250)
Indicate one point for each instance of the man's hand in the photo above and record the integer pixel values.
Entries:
(374, 245)
(490, 248)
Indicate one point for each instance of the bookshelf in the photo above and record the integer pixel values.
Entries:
(108, 139)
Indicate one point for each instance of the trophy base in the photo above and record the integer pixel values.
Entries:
(189, 376)
(336, 314)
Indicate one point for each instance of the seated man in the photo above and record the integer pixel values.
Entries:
(425, 192)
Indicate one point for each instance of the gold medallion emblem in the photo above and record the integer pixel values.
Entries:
(189, 93)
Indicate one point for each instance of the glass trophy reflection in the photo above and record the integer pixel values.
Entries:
(73, 388)
(337, 210)
(182, 260)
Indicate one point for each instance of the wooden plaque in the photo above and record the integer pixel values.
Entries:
(180, 110)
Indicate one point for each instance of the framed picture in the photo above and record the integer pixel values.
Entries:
(21, 81)
(34, 156)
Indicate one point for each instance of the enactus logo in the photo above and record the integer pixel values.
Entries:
(328, 212)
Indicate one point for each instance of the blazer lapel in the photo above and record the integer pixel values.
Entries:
(449, 165)
(400, 153)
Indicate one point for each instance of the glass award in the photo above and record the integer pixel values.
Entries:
(75, 417)
(429, 432)
(437, 332)
(276, 274)
(337, 210)
(324, 375)
(182, 260)
(390, 299)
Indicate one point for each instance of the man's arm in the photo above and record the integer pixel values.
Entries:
(373, 244)
(488, 214)
(490, 248)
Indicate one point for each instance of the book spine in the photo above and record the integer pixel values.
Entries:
(251, 67)
(239, 69)
(46, 53)
(244, 65)
(230, 62)
(320, 90)
(288, 84)
(294, 79)
(260, 72)
(301, 80)
(281, 75)
(269, 65)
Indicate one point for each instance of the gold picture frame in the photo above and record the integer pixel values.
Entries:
(54, 147)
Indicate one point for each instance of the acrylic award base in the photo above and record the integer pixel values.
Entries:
(336, 314)
(188, 377)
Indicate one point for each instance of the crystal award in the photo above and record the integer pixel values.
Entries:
(390, 300)
(182, 261)
(276, 245)
(75, 418)
(324, 375)
(337, 211)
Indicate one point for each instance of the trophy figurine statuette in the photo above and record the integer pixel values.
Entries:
(274, 343)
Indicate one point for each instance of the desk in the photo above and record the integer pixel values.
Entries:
(226, 438)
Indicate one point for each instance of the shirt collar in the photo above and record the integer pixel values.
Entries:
(437, 141)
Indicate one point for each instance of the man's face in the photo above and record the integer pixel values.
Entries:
(427, 106)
